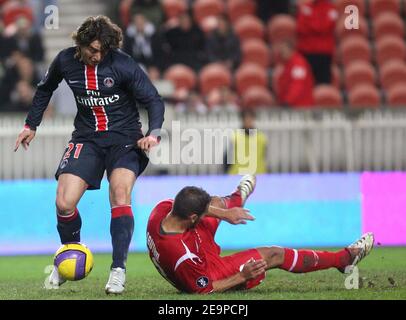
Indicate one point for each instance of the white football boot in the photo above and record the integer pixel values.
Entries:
(54, 280)
(246, 186)
(116, 281)
(365, 245)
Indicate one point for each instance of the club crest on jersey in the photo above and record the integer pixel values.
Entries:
(202, 282)
(108, 82)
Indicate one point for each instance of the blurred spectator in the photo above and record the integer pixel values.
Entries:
(223, 45)
(150, 9)
(193, 104)
(267, 8)
(18, 83)
(248, 149)
(316, 21)
(161, 49)
(27, 41)
(7, 44)
(187, 43)
(137, 40)
(222, 99)
(22, 95)
(3, 93)
(295, 84)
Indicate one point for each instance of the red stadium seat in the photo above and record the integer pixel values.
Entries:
(257, 97)
(359, 72)
(207, 8)
(182, 76)
(212, 76)
(239, 8)
(342, 4)
(327, 96)
(250, 75)
(376, 7)
(248, 27)
(342, 31)
(256, 51)
(354, 48)
(390, 48)
(396, 95)
(386, 24)
(281, 27)
(364, 96)
(392, 72)
(174, 8)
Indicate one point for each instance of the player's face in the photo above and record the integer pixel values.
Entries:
(93, 53)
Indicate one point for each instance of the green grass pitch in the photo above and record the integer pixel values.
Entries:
(382, 273)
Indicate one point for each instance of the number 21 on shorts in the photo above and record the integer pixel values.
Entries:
(71, 146)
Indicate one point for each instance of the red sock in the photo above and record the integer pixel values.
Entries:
(69, 217)
(233, 200)
(300, 261)
(120, 211)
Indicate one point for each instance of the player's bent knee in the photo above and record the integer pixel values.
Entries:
(277, 255)
(274, 256)
(120, 196)
(64, 207)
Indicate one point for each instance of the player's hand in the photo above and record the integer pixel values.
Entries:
(237, 215)
(24, 138)
(147, 143)
(253, 269)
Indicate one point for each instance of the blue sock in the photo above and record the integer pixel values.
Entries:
(69, 227)
(121, 230)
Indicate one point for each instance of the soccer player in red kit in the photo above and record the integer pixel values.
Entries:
(180, 240)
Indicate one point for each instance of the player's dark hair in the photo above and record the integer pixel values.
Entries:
(191, 200)
(98, 28)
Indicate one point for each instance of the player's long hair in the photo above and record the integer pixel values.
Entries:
(191, 200)
(98, 28)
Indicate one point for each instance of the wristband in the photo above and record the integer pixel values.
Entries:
(28, 127)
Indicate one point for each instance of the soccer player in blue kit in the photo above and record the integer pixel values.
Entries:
(108, 85)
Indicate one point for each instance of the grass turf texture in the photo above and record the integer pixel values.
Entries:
(382, 273)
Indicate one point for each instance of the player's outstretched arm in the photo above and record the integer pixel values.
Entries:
(236, 215)
(251, 270)
(40, 102)
(24, 138)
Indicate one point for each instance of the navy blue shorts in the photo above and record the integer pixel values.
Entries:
(88, 160)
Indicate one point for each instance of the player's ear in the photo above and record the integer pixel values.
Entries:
(194, 218)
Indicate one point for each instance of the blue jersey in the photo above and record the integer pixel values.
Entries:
(107, 95)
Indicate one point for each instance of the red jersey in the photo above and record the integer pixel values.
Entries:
(183, 259)
(191, 261)
(316, 23)
(295, 84)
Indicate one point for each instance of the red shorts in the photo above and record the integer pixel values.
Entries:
(232, 264)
